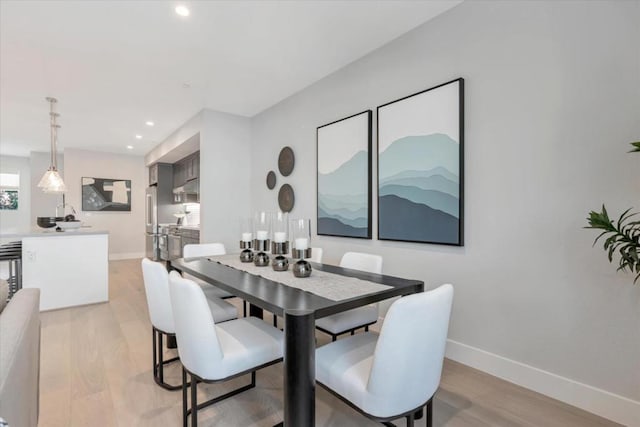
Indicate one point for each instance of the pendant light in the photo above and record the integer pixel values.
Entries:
(51, 181)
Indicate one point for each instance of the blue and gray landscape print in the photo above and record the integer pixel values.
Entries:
(419, 189)
(343, 199)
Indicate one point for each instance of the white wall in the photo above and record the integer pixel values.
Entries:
(552, 101)
(17, 219)
(176, 142)
(126, 229)
(225, 155)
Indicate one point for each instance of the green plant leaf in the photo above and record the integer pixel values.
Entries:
(623, 237)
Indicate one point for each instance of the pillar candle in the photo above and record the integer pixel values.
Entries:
(302, 243)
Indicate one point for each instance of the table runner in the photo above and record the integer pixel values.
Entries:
(327, 285)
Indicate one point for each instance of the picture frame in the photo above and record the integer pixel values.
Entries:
(106, 194)
(421, 166)
(344, 177)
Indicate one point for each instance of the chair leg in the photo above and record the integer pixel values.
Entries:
(159, 362)
(184, 397)
(227, 395)
(244, 309)
(194, 402)
(160, 359)
(418, 414)
(366, 328)
(275, 321)
(410, 420)
(430, 413)
(155, 351)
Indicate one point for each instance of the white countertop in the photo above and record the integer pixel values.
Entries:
(49, 232)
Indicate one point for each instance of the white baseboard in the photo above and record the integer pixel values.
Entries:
(126, 255)
(600, 402)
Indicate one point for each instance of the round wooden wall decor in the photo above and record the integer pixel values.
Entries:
(286, 161)
(271, 180)
(286, 198)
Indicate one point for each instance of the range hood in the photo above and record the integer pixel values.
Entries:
(187, 193)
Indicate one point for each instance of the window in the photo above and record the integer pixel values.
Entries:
(9, 187)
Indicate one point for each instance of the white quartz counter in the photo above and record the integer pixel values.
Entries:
(48, 232)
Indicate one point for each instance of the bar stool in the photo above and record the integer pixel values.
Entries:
(12, 252)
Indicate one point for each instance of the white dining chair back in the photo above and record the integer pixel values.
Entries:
(361, 317)
(395, 373)
(156, 287)
(362, 261)
(316, 255)
(408, 357)
(194, 250)
(213, 353)
(195, 329)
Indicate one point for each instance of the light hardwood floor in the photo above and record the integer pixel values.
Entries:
(96, 371)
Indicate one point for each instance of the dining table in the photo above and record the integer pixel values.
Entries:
(299, 308)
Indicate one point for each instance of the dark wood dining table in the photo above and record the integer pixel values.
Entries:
(299, 309)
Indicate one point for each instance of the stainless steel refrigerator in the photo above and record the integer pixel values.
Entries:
(152, 224)
(159, 207)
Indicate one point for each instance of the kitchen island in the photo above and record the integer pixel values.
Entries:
(70, 268)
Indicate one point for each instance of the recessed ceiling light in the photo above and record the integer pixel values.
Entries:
(129, 147)
(182, 10)
(149, 123)
(186, 86)
(138, 136)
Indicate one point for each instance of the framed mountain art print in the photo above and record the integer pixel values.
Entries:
(420, 166)
(344, 177)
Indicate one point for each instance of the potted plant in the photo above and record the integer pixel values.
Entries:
(623, 236)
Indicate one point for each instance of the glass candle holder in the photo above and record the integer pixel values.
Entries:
(280, 241)
(301, 246)
(246, 239)
(261, 233)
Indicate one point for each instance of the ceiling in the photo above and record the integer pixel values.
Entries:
(113, 65)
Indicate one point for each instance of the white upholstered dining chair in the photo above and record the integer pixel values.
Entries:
(396, 373)
(213, 353)
(361, 317)
(156, 286)
(196, 250)
(316, 255)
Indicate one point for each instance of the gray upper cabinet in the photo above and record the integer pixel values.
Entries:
(179, 174)
(186, 169)
(153, 174)
(193, 166)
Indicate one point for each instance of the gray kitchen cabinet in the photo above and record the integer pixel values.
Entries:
(160, 174)
(179, 174)
(189, 236)
(192, 164)
(186, 169)
(153, 174)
